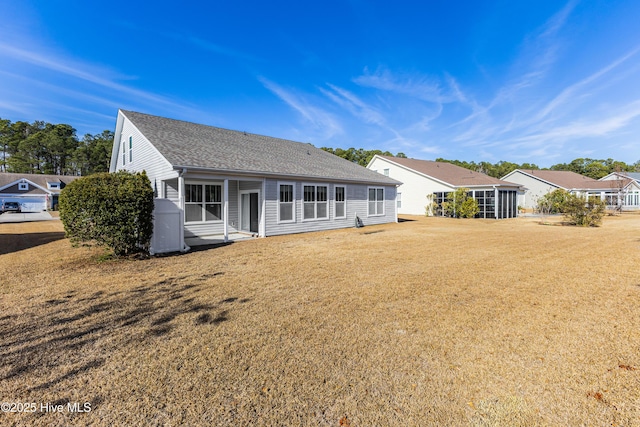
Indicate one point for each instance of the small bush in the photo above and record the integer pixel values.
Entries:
(460, 204)
(113, 210)
(553, 202)
(585, 212)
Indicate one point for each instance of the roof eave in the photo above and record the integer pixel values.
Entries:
(284, 175)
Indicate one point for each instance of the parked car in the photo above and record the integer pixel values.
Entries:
(11, 207)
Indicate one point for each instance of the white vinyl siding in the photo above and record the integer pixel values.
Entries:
(147, 158)
(340, 202)
(376, 201)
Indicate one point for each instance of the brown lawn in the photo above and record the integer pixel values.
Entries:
(426, 322)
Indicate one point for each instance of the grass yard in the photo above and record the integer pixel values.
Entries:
(433, 321)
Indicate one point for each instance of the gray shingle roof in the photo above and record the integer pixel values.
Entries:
(192, 145)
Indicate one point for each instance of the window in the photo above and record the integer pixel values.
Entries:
(285, 209)
(124, 153)
(53, 185)
(386, 172)
(23, 186)
(202, 202)
(315, 202)
(340, 203)
(376, 201)
(130, 149)
(399, 200)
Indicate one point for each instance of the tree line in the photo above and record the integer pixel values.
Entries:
(46, 148)
(594, 168)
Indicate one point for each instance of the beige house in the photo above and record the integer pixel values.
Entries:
(617, 191)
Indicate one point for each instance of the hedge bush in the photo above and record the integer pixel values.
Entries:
(584, 211)
(109, 209)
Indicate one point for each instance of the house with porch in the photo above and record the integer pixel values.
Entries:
(422, 178)
(618, 191)
(229, 184)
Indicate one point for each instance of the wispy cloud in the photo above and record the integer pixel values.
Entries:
(219, 49)
(76, 69)
(354, 105)
(320, 119)
(417, 86)
(572, 91)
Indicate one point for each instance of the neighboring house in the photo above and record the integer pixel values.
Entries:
(227, 182)
(537, 183)
(422, 178)
(34, 192)
(631, 193)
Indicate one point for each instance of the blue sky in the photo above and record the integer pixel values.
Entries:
(523, 81)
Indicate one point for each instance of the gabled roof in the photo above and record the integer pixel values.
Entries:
(567, 179)
(448, 173)
(8, 179)
(190, 145)
(632, 175)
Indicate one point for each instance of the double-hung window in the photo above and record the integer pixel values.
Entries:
(316, 202)
(376, 201)
(202, 202)
(340, 202)
(286, 212)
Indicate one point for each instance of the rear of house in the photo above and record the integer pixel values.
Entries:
(620, 192)
(425, 181)
(228, 183)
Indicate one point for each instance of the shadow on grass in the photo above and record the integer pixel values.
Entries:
(405, 220)
(17, 242)
(73, 334)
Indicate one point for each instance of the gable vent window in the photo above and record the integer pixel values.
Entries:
(23, 186)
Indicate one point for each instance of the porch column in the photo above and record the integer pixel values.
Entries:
(262, 227)
(181, 192)
(225, 207)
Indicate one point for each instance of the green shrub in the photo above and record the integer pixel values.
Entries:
(109, 209)
(585, 212)
(553, 202)
(460, 204)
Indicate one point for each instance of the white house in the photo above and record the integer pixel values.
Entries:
(422, 178)
(630, 193)
(228, 183)
(537, 183)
